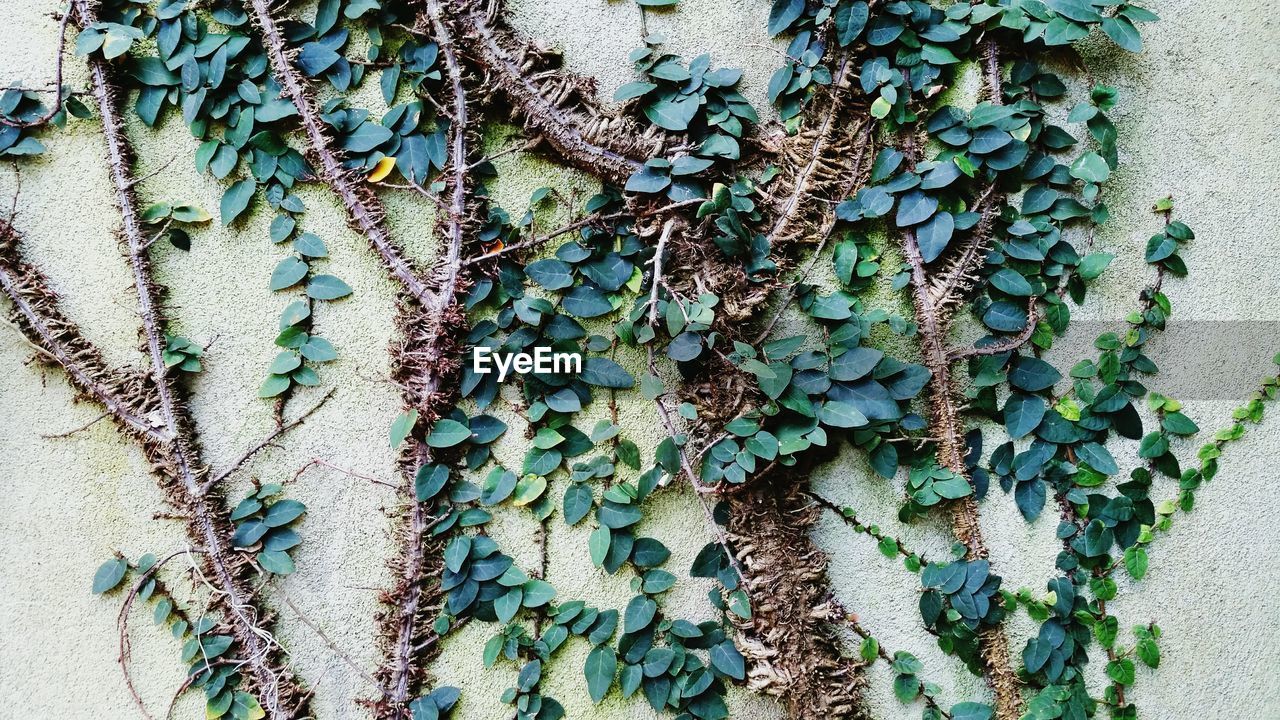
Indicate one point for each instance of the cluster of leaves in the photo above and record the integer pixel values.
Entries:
(182, 353)
(586, 279)
(692, 99)
(166, 215)
(298, 346)
(203, 647)
(20, 107)
(220, 83)
(802, 75)
(435, 705)
(733, 212)
(960, 598)
(842, 387)
(265, 522)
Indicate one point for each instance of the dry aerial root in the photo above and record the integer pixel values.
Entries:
(425, 365)
(790, 641)
(553, 105)
(171, 447)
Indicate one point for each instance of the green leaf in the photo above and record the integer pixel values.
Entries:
(1179, 424)
(1033, 374)
(327, 287)
(274, 385)
(603, 372)
(1135, 561)
(1123, 33)
(674, 115)
(538, 593)
(1011, 282)
(783, 13)
(914, 208)
(934, 236)
(971, 711)
(1094, 265)
(1149, 652)
(283, 512)
(851, 19)
(601, 665)
(1098, 458)
(288, 273)
(508, 604)
(598, 545)
(447, 433)
(276, 561)
(402, 425)
(109, 575)
(550, 273)
(870, 649)
(841, 414)
(578, 500)
(726, 658)
(639, 613)
(1022, 414)
(1121, 671)
(236, 200)
(633, 89)
(1090, 167)
(366, 137)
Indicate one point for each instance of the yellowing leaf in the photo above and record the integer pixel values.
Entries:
(382, 169)
(529, 488)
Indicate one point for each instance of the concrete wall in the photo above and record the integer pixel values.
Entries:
(1196, 120)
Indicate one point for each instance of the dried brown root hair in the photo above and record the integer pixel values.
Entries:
(790, 641)
(552, 104)
(425, 365)
(173, 450)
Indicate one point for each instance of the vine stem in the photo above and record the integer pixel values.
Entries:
(363, 208)
(403, 663)
(176, 455)
(612, 155)
(933, 318)
(56, 338)
(56, 106)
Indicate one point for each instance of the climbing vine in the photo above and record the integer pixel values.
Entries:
(775, 291)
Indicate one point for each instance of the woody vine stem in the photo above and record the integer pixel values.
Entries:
(697, 261)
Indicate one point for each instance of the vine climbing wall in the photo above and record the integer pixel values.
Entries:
(377, 534)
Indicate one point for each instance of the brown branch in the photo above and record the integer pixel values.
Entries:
(175, 457)
(364, 211)
(553, 105)
(812, 151)
(425, 364)
(933, 321)
(125, 394)
(56, 106)
(275, 434)
(1005, 345)
(854, 178)
(791, 640)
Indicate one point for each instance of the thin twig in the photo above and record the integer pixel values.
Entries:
(332, 645)
(248, 454)
(78, 428)
(56, 106)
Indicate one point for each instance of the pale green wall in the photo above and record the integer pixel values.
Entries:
(1196, 120)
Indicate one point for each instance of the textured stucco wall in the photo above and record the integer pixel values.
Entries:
(1196, 120)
